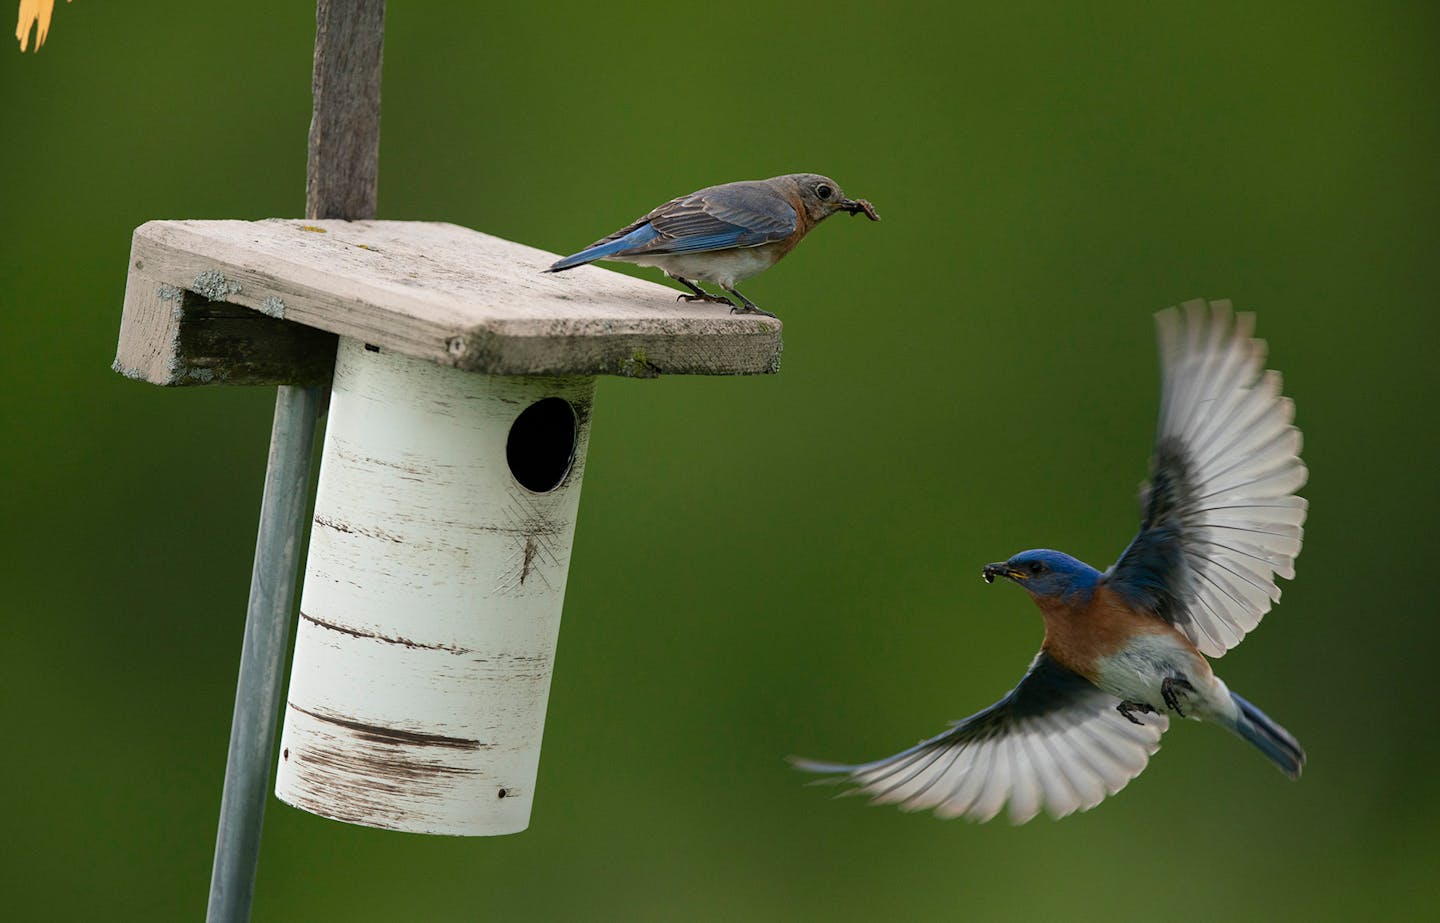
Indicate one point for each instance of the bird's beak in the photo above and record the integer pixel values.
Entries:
(858, 207)
(1000, 569)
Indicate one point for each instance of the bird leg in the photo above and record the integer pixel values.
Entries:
(1172, 699)
(701, 294)
(1125, 708)
(747, 306)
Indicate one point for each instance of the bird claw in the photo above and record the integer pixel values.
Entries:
(1172, 698)
(713, 299)
(749, 309)
(1125, 708)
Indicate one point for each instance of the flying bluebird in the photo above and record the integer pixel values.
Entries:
(725, 234)
(1126, 648)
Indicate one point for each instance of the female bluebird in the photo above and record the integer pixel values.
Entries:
(725, 234)
(1123, 648)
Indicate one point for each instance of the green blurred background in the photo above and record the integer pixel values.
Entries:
(772, 565)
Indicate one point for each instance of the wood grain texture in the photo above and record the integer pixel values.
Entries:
(431, 604)
(433, 291)
(342, 173)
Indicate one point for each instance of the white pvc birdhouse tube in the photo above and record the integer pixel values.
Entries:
(444, 519)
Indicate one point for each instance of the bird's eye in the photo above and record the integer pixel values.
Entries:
(823, 191)
(1036, 567)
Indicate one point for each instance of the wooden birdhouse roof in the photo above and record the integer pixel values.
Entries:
(259, 302)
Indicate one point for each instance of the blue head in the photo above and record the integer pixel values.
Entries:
(1046, 574)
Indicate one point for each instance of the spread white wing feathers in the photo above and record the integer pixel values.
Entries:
(1055, 743)
(1221, 517)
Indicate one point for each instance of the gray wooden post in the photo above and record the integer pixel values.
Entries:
(340, 182)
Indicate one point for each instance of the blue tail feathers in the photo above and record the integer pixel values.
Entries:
(1270, 738)
(608, 247)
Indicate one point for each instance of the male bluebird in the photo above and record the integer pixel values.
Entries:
(1221, 521)
(725, 234)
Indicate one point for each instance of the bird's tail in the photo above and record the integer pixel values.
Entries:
(1270, 738)
(588, 255)
(624, 239)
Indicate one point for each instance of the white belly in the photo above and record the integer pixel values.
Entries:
(1137, 672)
(724, 267)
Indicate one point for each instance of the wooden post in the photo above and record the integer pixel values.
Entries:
(343, 168)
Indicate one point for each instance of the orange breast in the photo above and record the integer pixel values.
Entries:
(803, 224)
(1079, 638)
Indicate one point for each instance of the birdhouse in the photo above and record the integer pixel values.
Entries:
(462, 397)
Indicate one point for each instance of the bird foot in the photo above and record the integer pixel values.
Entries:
(1125, 708)
(713, 299)
(749, 309)
(1168, 688)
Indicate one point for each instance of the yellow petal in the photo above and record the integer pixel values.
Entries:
(36, 13)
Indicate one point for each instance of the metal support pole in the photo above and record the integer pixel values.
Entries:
(340, 183)
(262, 660)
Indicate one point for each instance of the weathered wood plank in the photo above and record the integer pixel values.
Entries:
(170, 335)
(434, 291)
(342, 173)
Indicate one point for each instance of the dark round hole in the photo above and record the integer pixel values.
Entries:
(541, 446)
(503, 793)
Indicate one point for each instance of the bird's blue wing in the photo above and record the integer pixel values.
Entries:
(1220, 516)
(745, 214)
(1055, 742)
(721, 217)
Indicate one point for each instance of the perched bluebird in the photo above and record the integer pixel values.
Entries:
(1126, 648)
(725, 234)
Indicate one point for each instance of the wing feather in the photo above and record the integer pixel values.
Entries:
(1054, 743)
(1221, 519)
(733, 215)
